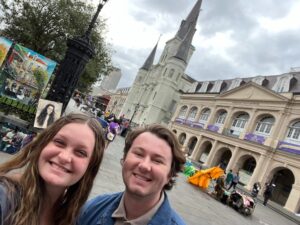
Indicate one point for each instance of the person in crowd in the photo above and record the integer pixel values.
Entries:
(113, 129)
(77, 99)
(57, 172)
(269, 187)
(46, 116)
(8, 138)
(28, 138)
(151, 160)
(235, 181)
(229, 178)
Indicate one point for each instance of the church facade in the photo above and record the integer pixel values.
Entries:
(155, 92)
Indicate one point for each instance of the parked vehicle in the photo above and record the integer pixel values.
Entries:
(242, 202)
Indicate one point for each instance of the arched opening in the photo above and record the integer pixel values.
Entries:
(246, 165)
(222, 158)
(191, 145)
(182, 138)
(204, 154)
(283, 179)
(175, 131)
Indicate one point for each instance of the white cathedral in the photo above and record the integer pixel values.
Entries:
(156, 89)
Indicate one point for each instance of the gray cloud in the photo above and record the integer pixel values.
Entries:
(257, 51)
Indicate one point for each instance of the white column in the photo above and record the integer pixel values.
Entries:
(293, 201)
(196, 149)
(211, 154)
(232, 160)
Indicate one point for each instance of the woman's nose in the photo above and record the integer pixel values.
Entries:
(65, 156)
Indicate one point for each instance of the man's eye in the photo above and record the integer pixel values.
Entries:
(138, 154)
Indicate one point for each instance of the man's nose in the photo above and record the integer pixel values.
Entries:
(145, 164)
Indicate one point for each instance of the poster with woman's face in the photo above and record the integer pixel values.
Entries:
(47, 112)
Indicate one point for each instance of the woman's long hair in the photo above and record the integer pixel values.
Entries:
(41, 118)
(67, 207)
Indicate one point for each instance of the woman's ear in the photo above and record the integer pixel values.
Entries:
(122, 162)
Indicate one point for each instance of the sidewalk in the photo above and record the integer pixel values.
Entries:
(274, 206)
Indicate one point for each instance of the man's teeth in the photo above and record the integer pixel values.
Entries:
(141, 177)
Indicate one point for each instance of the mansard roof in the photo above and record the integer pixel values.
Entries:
(283, 83)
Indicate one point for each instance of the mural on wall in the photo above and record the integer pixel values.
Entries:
(5, 45)
(47, 112)
(25, 75)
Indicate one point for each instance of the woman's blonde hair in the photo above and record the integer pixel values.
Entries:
(68, 206)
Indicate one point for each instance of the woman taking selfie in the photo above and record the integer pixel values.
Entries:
(57, 172)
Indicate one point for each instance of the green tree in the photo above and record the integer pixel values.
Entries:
(45, 26)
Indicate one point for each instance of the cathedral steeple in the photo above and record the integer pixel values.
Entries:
(149, 61)
(184, 47)
(190, 22)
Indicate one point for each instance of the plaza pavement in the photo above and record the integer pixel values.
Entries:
(194, 205)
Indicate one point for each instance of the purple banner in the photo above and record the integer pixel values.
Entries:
(255, 138)
(213, 128)
(289, 147)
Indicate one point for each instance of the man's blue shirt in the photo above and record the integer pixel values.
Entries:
(99, 210)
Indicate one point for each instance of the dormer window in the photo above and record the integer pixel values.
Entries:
(217, 86)
(282, 84)
(258, 80)
(235, 83)
(204, 87)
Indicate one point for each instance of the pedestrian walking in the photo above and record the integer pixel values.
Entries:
(229, 178)
(235, 181)
(151, 160)
(268, 192)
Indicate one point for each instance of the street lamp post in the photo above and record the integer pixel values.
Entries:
(135, 109)
(80, 51)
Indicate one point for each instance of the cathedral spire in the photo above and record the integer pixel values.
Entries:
(184, 47)
(149, 61)
(190, 22)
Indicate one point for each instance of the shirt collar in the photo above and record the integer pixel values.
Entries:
(120, 213)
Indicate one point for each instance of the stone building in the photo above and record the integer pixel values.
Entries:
(156, 89)
(117, 100)
(250, 125)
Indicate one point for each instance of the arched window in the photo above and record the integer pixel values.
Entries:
(192, 114)
(264, 125)
(182, 111)
(240, 121)
(294, 131)
(204, 115)
(221, 118)
(171, 73)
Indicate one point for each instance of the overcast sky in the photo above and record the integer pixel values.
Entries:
(234, 38)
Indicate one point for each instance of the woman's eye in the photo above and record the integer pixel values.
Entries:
(81, 153)
(59, 142)
(158, 161)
